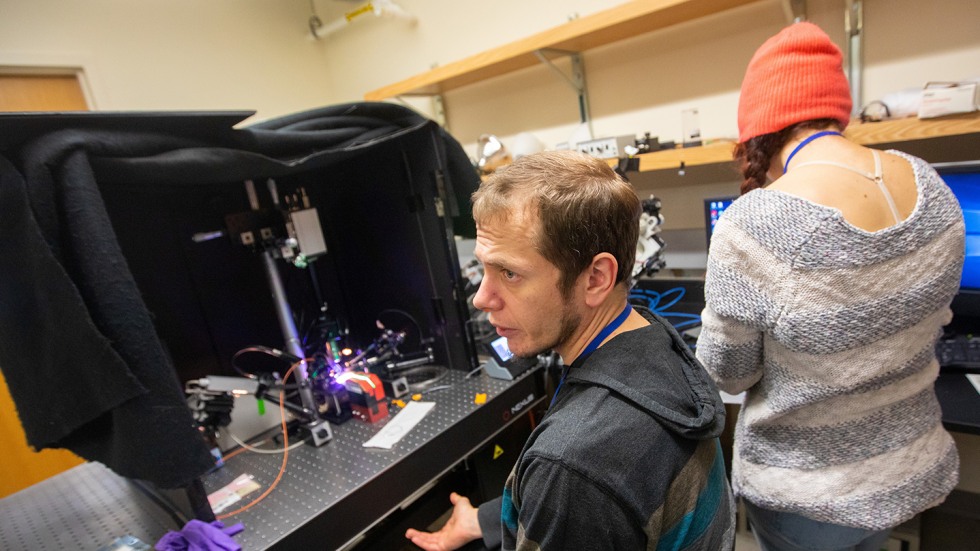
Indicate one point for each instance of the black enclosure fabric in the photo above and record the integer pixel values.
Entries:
(78, 347)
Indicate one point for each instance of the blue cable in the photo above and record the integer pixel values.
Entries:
(660, 303)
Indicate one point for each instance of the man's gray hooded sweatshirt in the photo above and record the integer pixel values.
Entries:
(627, 456)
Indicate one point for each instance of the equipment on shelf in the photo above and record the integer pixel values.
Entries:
(491, 154)
(649, 246)
(607, 148)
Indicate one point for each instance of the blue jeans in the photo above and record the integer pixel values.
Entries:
(777, 531)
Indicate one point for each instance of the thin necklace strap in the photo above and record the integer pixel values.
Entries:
(806, 142)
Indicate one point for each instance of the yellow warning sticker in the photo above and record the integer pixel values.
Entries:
(497, 451)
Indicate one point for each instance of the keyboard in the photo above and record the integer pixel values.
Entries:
(959, 352)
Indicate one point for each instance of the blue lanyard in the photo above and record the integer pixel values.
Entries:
(805, 142)
(613, 325)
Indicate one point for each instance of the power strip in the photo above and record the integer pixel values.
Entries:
(606, 148)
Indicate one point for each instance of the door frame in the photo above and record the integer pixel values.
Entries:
(77, 65)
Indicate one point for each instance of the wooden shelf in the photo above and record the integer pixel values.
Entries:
(631, 19)
(720, 152)
(871, 133)
(621, 22)
(912, 128)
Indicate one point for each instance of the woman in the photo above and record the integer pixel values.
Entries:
(827, 286)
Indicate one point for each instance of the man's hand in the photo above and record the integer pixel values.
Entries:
(461, 528)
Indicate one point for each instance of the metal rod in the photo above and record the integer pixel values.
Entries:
(253, 199)
(288, 327)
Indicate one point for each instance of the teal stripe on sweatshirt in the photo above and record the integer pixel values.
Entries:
(694, 524)
(508, 512)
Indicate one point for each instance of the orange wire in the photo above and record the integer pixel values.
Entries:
(532, 419)
(234, 453)
(285, 453)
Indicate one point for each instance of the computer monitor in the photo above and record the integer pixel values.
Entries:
(713, 207)
(503, 364)
(963, 178)
(501, 352)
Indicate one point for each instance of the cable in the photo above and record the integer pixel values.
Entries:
(433, 389)
(444, 387)
(285, 452)
(418, 328)
(407, 315)
(274, 352)
(228, 456)
(652, 300)
(253, 449)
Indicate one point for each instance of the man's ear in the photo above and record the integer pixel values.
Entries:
(601, 278)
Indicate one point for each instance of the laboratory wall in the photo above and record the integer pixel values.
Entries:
(255, 55)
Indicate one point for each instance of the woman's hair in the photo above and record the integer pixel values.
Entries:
(754, 156)
(581, 205)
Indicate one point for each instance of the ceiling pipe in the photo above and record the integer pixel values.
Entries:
(380, 8)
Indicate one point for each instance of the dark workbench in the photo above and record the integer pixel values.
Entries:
(327, 498)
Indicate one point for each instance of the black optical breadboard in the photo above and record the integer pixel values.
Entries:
(329, 495)
(86, 507)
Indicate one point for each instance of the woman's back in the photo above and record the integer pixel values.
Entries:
(841, 322)
(827, 285)
(848, 185)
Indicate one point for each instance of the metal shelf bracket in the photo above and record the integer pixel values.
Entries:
(576, 80)
(854, 32)
(795, 10)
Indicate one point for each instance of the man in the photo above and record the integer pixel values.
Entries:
(627, 456)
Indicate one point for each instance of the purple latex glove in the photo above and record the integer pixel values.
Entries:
(200, 536)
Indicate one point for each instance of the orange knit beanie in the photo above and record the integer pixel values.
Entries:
(793, 77)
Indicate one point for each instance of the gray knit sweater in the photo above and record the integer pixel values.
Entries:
(831, 331)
